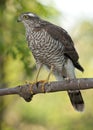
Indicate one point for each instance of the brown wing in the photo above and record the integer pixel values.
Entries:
(61, 35)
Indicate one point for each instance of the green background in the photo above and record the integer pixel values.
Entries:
(17, 65)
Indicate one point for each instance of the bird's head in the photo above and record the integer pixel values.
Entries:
(28, 18)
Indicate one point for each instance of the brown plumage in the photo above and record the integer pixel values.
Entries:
(51, 45)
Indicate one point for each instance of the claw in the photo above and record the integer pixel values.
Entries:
(31, 86)
(43, 84)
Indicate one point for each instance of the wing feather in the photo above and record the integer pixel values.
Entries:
(61, 35)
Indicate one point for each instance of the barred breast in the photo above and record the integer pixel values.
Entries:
(45, 49)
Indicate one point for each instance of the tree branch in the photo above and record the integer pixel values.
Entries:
(28, 90)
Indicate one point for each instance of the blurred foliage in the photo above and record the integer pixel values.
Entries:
(49, 111)
(83, 37)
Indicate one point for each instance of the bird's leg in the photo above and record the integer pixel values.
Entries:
(38, 72)
(36, 79)
(51, 69)
(47, 80)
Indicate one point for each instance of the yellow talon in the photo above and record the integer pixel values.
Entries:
(43, 84)
(31, 88)
(31, 84)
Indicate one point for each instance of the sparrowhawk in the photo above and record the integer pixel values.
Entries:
(52, 46)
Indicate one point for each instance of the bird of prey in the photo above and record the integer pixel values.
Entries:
(52, 47)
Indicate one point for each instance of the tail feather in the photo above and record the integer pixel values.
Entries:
(76, 100)
(78, 66)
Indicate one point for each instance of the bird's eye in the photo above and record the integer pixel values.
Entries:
(25, 17)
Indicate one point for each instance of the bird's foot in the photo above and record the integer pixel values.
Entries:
(31, 85)
(43, 82)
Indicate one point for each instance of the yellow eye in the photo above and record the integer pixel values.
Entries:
(25, 17)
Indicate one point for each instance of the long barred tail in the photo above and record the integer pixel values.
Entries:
(76, 100)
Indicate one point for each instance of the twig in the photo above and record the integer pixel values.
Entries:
(28, 90)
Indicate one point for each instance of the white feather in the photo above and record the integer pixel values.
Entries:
(31, 14)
